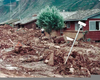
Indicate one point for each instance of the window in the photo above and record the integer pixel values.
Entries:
(68, 24)
(77, 26)
(97, 25)
(94, 25)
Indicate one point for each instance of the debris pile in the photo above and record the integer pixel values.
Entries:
(83, 61)
(77, 64)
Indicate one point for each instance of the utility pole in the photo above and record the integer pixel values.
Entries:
(81, 25)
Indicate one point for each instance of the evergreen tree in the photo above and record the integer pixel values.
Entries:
(50, 19)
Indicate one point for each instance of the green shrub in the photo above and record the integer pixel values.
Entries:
(50, 19)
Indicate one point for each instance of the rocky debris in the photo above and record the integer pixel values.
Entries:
(95, 70)
(45, 38)
(59, 39)
(24, 51)
(29, 58)
(78, 64)
(50, 61)
(83, 61)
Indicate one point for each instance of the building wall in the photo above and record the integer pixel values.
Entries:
(94, 35)
(70, 32)
(30, 25)
(72, 26)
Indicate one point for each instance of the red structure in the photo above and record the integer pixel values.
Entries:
(94, 35)
(92, 21)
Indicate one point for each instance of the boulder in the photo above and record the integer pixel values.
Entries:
(50, 59)
(95, 71)
(85, 72)
(58, 47)
(45, 38)
(59, 39)
(76, 43)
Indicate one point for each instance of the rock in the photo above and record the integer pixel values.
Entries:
(45, 38)
(46, 61)
(44, 42)
(51, 48)
(59, 39)
(37, 52)
(50, 44)
(16, 49)
(41, 57)
(90, 51)
(36, 40)
(51, 59)
(85, 71)
(80, 52)
(72, 70)
(76, 43)
(57, 47)
(95, 71)
(21, 59)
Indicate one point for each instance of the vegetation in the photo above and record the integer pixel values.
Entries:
(30, 7)
(50, 19)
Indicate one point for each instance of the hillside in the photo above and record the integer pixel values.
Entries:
(30, 7)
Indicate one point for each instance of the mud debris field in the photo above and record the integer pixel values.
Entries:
(27, 53)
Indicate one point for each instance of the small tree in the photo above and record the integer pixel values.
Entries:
(50, 19)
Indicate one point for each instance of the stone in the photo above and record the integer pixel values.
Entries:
(85, 71)
(46, 61)
(58, 47)
(95, 70)
(72, 70)
(76, 43)
(36, 40)
(45, 38)
(51, 59)
(59, 39)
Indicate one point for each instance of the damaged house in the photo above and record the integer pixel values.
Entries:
(26, 23)
(10, 22)
(92, 20)
(90, 17)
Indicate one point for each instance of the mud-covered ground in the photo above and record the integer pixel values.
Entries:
(38, 56)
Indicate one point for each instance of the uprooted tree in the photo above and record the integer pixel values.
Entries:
(50, 19)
